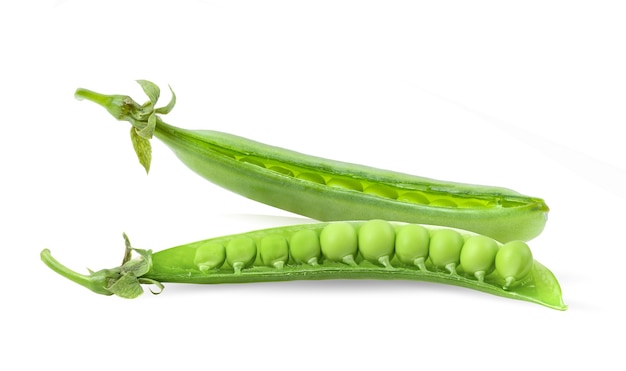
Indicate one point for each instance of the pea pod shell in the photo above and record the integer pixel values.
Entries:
(514, 216)
(241, 263)
(324, 189)
(539, 284)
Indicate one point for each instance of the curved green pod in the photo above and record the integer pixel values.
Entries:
(313, 257)
(324, 189)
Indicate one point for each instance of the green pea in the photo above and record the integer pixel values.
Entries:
(304, 247)
(253, 161)
(412, 242)
(446, 202)
(338, 242)
(381, 191)
(282, 170)
(445, 249)
(311, 177)
(209, 256)
(414, 197)
(478, 256)
(376, 239)
(472, 204)
(346, 183)
(240, 253)
(514, 262)
(274, 251)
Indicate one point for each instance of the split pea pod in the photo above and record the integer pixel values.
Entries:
(324, 189)
(373, 249)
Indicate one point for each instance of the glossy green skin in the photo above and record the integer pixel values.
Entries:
(445, 249)
(245, 167)
(514, 260)
(478, 256)
(324, 189)
(178, 264)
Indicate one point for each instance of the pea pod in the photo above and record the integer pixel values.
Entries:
(376, 249)
(324, 189)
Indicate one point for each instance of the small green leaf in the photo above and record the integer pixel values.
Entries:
(127, 286)
(143, 149)
(146, 254)
(148, 130)
(140, 265)
(152, 90)
(149, 281)
(129, 249)
(166, 109)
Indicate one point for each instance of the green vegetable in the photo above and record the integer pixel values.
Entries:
(412, 244)
(514, 261)
(324, 189)
(445, 249)
(373, 249)
(478, 256)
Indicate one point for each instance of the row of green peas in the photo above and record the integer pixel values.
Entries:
(424, 196)
(376, 241)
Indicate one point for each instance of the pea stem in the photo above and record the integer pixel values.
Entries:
(91, 95)
(64, 271)
(508, 282)
(118, 105)
(96, 281)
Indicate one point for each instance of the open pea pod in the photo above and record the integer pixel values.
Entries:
(324, 189)
(374, 249)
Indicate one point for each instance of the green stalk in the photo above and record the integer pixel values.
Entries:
(124, 281)
(118, 105)
(95, 281)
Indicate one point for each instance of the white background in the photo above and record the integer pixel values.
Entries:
(526, 95)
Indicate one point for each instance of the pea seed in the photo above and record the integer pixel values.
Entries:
(446, 202)
(305, 247)
(478, 256)
(282, 170)
(381, 191)
(209, 256)
(413, 197)
(472, 204)
(274, 251)
(514, 262)
(252, 161)
(445, 249)
(240, 253)
(338, 242)
(412, 242)
(376, 239)
(346, 183)
(311, 177)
